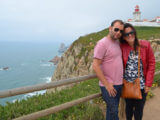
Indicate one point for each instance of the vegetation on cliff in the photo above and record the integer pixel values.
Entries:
(90, 40)
(77, 60)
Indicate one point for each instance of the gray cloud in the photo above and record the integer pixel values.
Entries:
(65, 19)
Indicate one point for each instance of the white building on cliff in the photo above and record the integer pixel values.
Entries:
(137, 14)
(137, 21)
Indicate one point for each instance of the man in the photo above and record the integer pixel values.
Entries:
(107, 64)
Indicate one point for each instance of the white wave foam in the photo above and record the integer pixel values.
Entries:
(35, 93)
(30, 95)
(13, 101)
(46, 65)
(1, 69)
(47, 79)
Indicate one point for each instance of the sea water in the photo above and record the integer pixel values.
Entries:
(28, 64)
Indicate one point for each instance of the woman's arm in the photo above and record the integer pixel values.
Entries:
(150, 66)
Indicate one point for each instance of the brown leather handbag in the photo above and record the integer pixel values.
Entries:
(132, 89)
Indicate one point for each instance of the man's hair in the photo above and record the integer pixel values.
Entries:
(120, 21)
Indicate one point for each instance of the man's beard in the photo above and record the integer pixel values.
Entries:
(112, 36)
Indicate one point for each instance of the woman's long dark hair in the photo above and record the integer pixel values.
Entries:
(136, 42)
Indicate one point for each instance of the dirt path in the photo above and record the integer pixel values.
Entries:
(152, 106)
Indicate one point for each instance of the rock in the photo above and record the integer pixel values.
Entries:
(55, 60)
(5, 68)
(62, 48)
(155, 43)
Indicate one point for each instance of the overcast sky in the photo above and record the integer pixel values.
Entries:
(65, 20)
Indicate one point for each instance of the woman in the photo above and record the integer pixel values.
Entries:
(129, 46)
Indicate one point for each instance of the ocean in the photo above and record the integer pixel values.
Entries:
(28, 64)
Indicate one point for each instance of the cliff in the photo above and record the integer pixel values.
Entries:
(155, 43)
(77, 60)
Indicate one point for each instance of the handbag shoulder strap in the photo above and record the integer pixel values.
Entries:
(139, 53)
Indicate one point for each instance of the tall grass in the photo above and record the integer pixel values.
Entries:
(41, 102)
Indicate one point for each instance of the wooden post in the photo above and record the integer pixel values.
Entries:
(122, 109)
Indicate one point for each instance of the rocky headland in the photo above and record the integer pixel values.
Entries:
(55, 60)
(62, 48)
(77, 60)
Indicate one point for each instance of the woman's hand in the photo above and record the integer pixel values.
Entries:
(147, 89)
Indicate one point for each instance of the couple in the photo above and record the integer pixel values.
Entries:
(114, 60)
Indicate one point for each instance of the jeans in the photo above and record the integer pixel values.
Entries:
(135, 107)
(112, 102)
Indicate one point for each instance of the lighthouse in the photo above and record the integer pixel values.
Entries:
(137, 21)
(137, 14)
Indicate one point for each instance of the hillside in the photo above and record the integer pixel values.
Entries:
(76, 61)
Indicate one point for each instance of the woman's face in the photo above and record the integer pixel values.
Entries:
(129, 36)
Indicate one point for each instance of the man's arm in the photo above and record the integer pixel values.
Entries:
(109, 86)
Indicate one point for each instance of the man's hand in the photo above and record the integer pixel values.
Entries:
(109, 86)
(147, 89)
(111, 90)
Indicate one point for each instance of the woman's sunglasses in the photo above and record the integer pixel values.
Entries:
(117, 29)
(129, 33)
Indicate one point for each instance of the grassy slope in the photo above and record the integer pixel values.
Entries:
(90, 40)
(142, 32)
(82, 111)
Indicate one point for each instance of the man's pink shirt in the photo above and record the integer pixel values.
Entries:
(110, 53)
